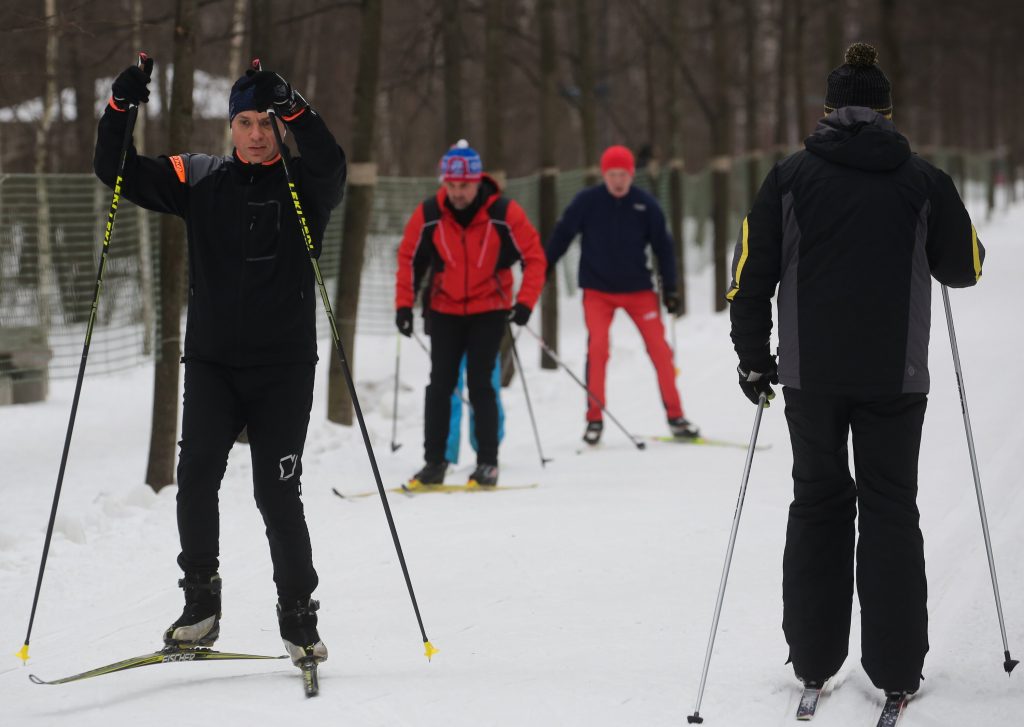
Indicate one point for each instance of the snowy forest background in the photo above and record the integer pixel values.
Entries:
(587, 600)
(657, 75)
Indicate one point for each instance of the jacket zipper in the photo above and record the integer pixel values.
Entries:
(465, 274)
(241, 279)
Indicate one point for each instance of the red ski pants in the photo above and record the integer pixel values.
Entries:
(642, 306)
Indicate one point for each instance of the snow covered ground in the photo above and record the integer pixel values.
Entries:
(586, 601)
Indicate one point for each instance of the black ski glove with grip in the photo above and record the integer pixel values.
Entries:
(672, 301)
(754, 382)
(403, 321)
(520, 314)
(130, 88)
(270, 90)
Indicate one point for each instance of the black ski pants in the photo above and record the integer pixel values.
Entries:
(274, 403)
(479, 337)
(818, 564)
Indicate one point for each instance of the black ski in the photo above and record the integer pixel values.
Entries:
(164, 656)
(808, 703)
(893, 709)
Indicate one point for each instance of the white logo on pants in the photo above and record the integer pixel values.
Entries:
(288, 465)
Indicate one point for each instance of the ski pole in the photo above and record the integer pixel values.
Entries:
(695, 718)
(675, 347)
(394, 404)
(422, 343)
(1008, 663)
(429, 649)
(526, 392)
(554, 357)
(146, 64)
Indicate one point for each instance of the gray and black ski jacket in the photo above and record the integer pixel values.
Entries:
(851, 230)
(251, 294)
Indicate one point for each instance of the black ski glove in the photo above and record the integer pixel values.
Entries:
(403, 320)
(130, 88)
(671, 300)
(754, 382)
(269, 89)
(519, 314)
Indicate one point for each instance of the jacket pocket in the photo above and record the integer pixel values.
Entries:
(264, 228)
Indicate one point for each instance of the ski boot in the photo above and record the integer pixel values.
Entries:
(682, 428)
(485, 475)
(432, 474)
(199, 623)
(297, 620)
(593, 433)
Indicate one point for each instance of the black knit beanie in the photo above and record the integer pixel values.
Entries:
(859, 82)
(242, 97)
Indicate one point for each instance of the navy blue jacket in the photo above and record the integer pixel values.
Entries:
(615, 235)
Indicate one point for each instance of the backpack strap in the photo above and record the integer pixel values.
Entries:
(508, 255)
(426, 260)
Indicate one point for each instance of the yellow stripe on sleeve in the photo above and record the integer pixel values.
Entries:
(977, 254)
(743, 261)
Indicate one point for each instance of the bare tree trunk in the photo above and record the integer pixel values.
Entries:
(142, 216)
(84, 86)
(991, 129)
(234, 69)
(46, 282)
(164, 429)
(798, 70)
(721, 141)
(781, 117)
(494, 131)
(889, 56)
(262, 29)
(451, 41)
(587, 102)
(835, 14)
(652, 117)
(1014, 142)
(362, 179)
(752, 110)
(548, 170)
(675, 153)
(494, 82)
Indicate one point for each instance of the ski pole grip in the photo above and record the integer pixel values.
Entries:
(146, 63)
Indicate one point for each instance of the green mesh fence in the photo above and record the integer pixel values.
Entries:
(51, 230)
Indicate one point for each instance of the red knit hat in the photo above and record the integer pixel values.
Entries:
(617, 157)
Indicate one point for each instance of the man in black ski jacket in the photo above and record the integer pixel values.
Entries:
(851, 229)
(250, 341)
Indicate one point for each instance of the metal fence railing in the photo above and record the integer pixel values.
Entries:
(51, 227)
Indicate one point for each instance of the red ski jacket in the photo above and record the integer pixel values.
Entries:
(470, 266)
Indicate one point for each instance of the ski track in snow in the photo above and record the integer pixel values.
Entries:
(586, 601)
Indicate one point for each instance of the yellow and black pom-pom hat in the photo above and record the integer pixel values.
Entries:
(859, 82)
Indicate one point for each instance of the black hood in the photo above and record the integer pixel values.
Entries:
(858, 137)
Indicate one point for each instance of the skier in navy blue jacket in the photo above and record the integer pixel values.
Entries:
(618, 222)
